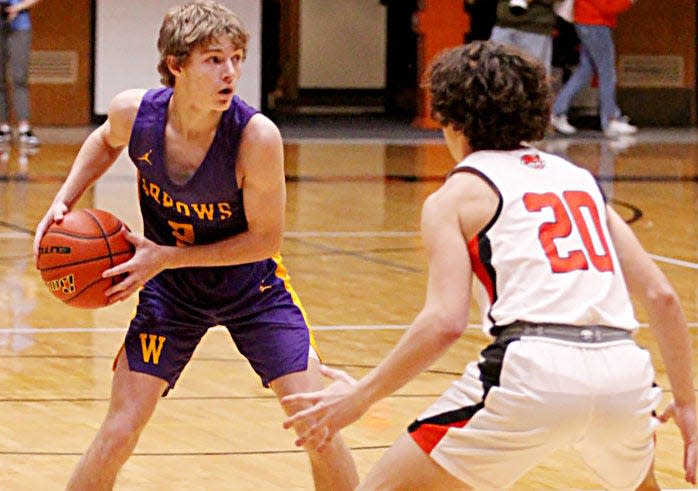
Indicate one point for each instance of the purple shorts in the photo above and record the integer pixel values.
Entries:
(268, 327)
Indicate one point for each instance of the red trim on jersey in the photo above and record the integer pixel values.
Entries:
(479, 267)
(427, 436)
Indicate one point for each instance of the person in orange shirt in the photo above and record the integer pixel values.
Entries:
(594, 21)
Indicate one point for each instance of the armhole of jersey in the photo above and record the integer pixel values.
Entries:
(603, 195)
(133, 137)
(492, 185)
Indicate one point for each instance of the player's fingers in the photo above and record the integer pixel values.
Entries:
(122, 295)
(115, 271)
(41, 229)
(326, 439)
(292, 399)
(37, 241)
(667, 414)
(313, 436)
(59, 214)
(133, 238)
(302, 417)
(336, 374)
(129, 284)
(690, 458)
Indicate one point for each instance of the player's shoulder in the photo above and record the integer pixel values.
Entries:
(124, 105)
(127, 99)
(464, 190)
(121, 116)
(261, 130)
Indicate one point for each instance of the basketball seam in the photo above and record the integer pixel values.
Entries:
(120, 253)
(90, 285)
(106, 240)
(80, 236)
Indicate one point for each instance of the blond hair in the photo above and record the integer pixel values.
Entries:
(195, 24)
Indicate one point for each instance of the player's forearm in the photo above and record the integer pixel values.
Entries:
(669, 327)
(26, 4)
(425, 341)
(93, 160)
(243, 248)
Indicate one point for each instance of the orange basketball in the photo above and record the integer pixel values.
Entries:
(74, 253)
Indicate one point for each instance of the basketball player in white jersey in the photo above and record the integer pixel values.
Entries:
(557, 266)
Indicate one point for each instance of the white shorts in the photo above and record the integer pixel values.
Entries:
(543, 394)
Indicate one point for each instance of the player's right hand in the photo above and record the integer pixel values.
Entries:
(331, 409)
(147, 261)
(54, 214)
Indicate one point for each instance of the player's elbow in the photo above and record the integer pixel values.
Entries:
(447, 326)
(661, 296)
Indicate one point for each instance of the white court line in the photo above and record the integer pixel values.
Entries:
(409, 142)
(300, 234)
(676, 262)
(377, 234)
(370, 234)
(15, 235)
(377, 327)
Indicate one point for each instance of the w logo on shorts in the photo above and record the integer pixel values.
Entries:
(151, 346)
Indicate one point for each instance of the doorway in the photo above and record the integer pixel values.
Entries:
(281, 54)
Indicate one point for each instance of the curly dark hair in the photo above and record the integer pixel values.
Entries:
(496, 95)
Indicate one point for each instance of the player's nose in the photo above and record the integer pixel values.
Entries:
(229, 69)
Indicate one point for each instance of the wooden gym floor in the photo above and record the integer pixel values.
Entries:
(353, 251)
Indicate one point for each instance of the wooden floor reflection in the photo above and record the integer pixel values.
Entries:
(354, 254)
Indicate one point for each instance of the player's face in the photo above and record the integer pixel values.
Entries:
(211, 73)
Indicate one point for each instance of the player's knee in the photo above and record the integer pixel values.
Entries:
(121, 432)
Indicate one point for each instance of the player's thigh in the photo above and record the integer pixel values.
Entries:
(406, 466)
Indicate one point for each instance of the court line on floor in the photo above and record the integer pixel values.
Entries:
(341, 327)
(378, 234)
(675, 262)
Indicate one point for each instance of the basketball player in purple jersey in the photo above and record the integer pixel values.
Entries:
(556, 266)
(212, 196)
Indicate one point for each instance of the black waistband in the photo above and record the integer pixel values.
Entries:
(576, 334)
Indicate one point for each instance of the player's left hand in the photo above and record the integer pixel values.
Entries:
(685, 418)
(333, 408)
(147, 261)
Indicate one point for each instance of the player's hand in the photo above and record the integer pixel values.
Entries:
(685, 419)
(54, 214)
(333, 408)
(12, 12)
(147, 261)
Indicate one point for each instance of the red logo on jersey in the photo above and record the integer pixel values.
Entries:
(532, 160)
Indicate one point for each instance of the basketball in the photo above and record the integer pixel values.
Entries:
(73, 255)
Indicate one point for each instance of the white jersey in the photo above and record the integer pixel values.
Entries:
(546, 256)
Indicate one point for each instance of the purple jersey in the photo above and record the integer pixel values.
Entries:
(205, 209)
(255, 301)
(208, 207)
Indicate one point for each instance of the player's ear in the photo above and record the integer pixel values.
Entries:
(173, 65)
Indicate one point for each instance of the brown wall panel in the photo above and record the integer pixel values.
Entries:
(63, 26)
(660, 28)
